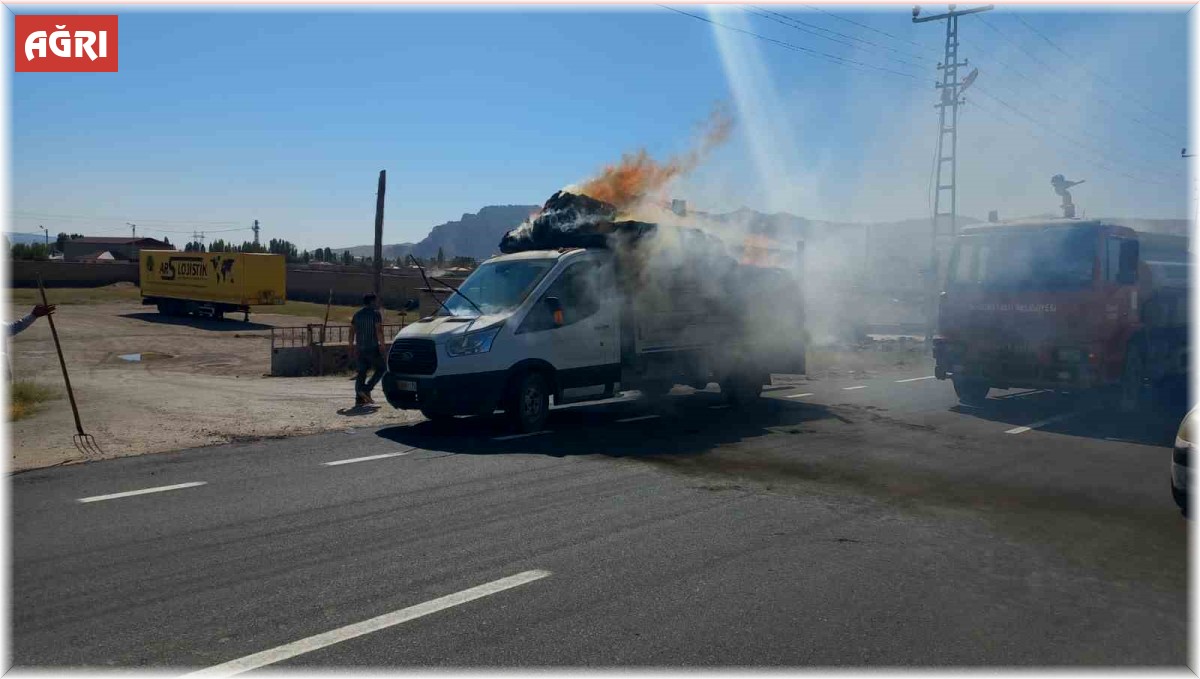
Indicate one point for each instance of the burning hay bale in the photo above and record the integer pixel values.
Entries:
(570, 220)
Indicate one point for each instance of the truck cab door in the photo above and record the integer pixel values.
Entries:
(574, 326)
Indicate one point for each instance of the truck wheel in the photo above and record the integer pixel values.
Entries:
(1133, 378)
(971, 391)
(742, 390)
(438, 418)
(529, 403)
(655, 391)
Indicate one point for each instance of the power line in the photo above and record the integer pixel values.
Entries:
(798, 25)
(871, 28)
(1146, 164)
(1098, 76)
(842, 61)
(1079, 145)
(1097, 163)
(1048, 67)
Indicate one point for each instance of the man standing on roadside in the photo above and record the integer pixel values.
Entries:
(366, 348)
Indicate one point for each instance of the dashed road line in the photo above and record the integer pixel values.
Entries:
(719, 407)
(1041, 423)
(364, 459)
(853, 388)
(640, 418)
(799, 395)
(358, 629)
(916, 379)
(144, 491)
(521, 436)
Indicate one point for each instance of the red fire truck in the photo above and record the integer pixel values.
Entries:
(1066, 305)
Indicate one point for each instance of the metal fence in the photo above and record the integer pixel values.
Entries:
(311, 335)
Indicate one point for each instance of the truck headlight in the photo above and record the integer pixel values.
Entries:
(477, 342)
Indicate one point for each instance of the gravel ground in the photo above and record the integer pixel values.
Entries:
(199, 383)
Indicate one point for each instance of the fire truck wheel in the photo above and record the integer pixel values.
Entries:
(529, 403)
(971, 390)
(742, 390)
(1133, 378)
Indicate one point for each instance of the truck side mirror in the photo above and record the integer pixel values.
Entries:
(556, 310)
(1127, 273)
(412, 305)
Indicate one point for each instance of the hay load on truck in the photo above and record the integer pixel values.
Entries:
(579, 306)
(211, 284)
(1064, 305)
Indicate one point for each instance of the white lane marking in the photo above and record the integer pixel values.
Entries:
(799, 395)
(1040, 423)
(852, 388)
(638, 419)
(521, 436)
(364, 459)
(723, 405)
(915, 379)
(130, 493)
(358, 629)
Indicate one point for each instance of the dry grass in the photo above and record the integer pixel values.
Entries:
(27, 397)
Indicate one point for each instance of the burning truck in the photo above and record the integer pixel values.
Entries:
(582, 304)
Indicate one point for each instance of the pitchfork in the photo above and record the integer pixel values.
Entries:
(82, 440)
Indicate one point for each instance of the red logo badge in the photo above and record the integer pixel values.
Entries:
(66, 42)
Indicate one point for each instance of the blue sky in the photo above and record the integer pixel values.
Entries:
(219, 118)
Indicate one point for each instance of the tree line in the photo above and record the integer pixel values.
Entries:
(275, 246)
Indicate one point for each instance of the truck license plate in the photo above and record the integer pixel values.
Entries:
(406, 385)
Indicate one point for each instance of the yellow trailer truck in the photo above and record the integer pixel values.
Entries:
(211, 283)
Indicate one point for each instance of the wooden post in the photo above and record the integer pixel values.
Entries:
(379, 236)
(325, 324)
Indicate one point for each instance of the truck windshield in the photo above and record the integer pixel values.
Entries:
(1026, 259)
(498, 286)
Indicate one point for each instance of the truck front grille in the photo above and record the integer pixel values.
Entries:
(412, 357)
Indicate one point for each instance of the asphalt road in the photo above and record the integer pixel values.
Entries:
(834, 526)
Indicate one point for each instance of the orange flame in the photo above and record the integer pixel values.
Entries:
(638, 175)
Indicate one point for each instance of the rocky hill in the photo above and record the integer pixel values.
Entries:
(474, 235)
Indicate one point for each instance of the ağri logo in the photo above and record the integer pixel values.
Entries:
(60, 43)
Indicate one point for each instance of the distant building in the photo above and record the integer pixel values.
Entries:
(126, 249)
(104, 256)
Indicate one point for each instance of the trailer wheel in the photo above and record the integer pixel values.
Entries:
(1133, 381)
(529, 403)
(971, 391)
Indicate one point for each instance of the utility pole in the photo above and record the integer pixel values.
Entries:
(134, 232)
(945, 224)
(255, 228)
(379, 236)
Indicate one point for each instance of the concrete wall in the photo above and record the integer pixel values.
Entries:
(348, 288)
(304, 285)
(71, 274)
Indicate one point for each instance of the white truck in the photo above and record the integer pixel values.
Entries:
(568, 324)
